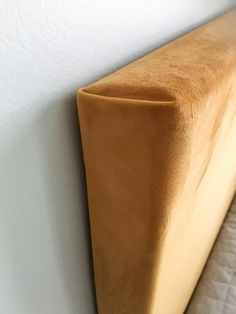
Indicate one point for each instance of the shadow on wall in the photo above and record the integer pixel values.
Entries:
(60, 136)
(45, 227)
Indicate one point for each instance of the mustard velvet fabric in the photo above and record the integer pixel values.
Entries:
(159, 142)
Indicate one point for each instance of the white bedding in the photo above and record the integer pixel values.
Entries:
(216, 290)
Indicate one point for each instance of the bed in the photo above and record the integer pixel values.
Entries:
(216, 289)
(159, 150)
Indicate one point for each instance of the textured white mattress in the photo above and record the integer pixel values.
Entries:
(216, 290)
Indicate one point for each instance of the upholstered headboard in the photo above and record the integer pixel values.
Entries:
(159, 142)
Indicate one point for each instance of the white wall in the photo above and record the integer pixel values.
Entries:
(47, 50)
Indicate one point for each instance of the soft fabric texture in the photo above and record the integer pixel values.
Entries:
(160, 156)
(216, 289)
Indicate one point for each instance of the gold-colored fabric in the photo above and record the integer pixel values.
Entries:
(159, 141)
